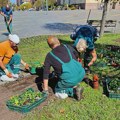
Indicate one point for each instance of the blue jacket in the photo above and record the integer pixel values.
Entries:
(87, 32)
(7, 12)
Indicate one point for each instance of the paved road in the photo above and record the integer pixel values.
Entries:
(33, 23)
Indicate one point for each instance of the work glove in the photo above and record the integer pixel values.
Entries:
(8, 73)
(26, 66)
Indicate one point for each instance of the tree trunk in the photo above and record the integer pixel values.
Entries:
(106, 2)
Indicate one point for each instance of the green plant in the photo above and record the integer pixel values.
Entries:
(25, 6)
(94, 106)
(26, 98)
(114, 85)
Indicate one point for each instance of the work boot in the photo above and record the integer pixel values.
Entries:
(78, 92)
(61, 95)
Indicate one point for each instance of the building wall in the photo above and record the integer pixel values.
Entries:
(92, 1)
(19, 2)
(26, 0)
(92, 6)
(70, 1)
(84, 4)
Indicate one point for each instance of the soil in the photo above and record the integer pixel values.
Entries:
(9, 89)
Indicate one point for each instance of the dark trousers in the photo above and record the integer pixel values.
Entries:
(87, 57)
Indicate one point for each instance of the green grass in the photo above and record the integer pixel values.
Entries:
(110, 39)
(94, 106)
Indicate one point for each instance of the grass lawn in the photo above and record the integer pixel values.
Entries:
(94, 106)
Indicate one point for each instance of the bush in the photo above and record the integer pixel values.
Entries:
(73, 8)
(59, 7)
(25, 6)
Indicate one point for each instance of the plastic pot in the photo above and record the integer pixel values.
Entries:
(95, 81)
(95, 84)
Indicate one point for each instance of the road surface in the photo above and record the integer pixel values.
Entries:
(33, 23)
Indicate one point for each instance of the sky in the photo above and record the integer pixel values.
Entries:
(13, 1)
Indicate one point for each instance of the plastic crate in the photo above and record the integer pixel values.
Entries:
(26, 108)
(34, 66)
(32, 70)
(111, 94)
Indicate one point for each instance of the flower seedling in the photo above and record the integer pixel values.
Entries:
(27, 98)
(114, 86)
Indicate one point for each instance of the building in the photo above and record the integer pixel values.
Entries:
(19, 2)
(84, 4)
(88, 4)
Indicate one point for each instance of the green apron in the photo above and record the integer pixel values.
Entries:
(14, 65)
(72, 74)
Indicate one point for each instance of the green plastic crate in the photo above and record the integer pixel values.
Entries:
(26, 108)
(34, 66)
(110, 93)
(32, 70)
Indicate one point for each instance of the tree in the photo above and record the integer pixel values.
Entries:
(38, 4)
(104, 14)
(3, 2)
(51, 2)
(25, 6)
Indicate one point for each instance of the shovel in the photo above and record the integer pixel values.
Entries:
(8, 27)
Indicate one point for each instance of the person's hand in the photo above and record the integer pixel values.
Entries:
(90, 63)
(27, 67)
(8, 73)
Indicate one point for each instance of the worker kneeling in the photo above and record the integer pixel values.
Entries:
(10, 60)
(69, 71)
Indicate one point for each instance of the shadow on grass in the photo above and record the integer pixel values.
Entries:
(6, 34)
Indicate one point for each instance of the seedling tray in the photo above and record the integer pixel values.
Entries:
(26, 108)
(110, 93)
